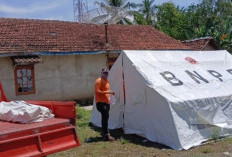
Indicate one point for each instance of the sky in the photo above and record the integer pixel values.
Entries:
(58, 9)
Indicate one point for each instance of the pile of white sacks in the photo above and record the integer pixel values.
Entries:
(22, 112)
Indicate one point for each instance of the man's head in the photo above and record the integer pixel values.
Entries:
(104, 73)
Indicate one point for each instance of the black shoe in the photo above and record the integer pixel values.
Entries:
(108, 137)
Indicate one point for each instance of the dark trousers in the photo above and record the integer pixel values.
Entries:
(104, 109)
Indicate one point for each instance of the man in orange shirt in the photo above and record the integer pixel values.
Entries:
(102, 99)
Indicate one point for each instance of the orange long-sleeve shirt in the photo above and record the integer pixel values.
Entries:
(101, 86)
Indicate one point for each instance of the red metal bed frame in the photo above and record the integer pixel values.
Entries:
(42, 138)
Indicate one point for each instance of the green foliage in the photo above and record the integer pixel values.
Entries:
(146, 12)
(172, 21)
(140, 19)
(209, 18)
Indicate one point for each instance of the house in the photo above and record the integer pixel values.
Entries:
(58, 60)
(202, 44)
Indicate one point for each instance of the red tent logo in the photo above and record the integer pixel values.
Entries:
(191, 60)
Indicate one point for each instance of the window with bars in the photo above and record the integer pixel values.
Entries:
(24, 80)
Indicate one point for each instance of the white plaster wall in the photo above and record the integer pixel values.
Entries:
(7, 76)
(58, 77)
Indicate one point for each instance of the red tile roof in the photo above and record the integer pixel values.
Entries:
(26, 35)
(201, 43)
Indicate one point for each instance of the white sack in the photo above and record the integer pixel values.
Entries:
(22, 112)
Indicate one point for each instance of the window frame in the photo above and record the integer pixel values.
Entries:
(20, 67)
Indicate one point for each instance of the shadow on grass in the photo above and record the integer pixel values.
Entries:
(118, 134)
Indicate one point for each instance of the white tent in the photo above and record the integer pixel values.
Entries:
(176, 98)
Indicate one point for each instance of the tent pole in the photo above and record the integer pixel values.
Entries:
(124, 90)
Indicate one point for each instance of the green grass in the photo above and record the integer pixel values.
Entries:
(215, 135)
(206, 150)
(132, 145)
(123, 141)
(83, 130)
(228, 140)
(83, 117)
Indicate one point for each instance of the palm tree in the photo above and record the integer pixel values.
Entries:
(117, 9)
(147, 9)
(114, 3)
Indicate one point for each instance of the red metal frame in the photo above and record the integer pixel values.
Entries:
(61, 109)
(3, 96)
(43, 138)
